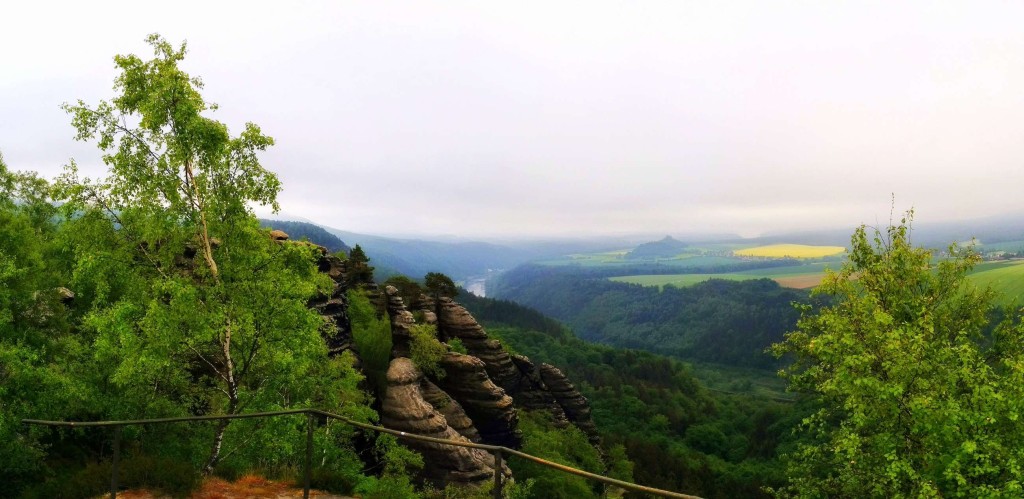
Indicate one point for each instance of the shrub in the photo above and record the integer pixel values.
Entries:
(426, 350)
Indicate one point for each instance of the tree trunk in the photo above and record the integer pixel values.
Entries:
(205, 233)
(232, 391)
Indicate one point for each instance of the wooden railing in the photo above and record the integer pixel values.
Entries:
(498, 451)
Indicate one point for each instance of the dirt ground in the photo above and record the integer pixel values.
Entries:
(247, 487)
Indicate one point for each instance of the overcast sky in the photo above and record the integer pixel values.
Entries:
(556, 118)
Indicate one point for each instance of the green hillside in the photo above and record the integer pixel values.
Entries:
(1006, 278)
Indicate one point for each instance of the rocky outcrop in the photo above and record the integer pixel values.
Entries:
(575, 405)
(532, 394)
(454, 321)
(475, 400)
(334, 306)
(513, 373)
(425, 305)
(405, 408)
(401, 323)
(492, 411)
(450, 408)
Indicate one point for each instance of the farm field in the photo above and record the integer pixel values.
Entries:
(790, 251)
(1006, 278)
(798, 276)
(679, 280)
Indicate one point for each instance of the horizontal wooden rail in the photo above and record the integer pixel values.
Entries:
(496, 450)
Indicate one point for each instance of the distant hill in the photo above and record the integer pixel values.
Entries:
(311, 232)
(665, 248)
(416, 257)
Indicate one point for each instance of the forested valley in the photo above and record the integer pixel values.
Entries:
(723, 322)
(678, 434)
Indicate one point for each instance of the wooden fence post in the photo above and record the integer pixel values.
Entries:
(117, 462)
(309, 455)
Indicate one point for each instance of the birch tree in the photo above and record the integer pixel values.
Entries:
(213, 302)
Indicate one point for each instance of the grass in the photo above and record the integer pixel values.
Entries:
(790, 251)
(678, 280)
(796, 276)
(742, 381)
(1006, 278)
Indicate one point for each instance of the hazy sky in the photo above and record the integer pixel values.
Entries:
(482, 118)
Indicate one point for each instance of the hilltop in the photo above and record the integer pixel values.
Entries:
(664, 248)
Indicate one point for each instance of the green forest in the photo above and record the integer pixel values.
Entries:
(155, 292)
(717, 321)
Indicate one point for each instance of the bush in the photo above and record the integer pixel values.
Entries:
(372, 335)
(456, 345)
(426, 351)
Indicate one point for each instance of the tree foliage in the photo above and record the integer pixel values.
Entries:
(439, 285)
(358, 268)
(41, 373)
(426, 351)
(189, 298)
(724, 322)
(648, 404)
(916, 400)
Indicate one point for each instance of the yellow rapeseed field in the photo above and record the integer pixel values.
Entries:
(791, 251)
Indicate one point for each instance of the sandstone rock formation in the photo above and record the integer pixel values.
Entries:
(475, 400)
(516, 374)
(404, 408)
(450, 408)
(454, 321)
(491, 410)
(575, 405)
(532, 394)
(334, 306)
(401, 322)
